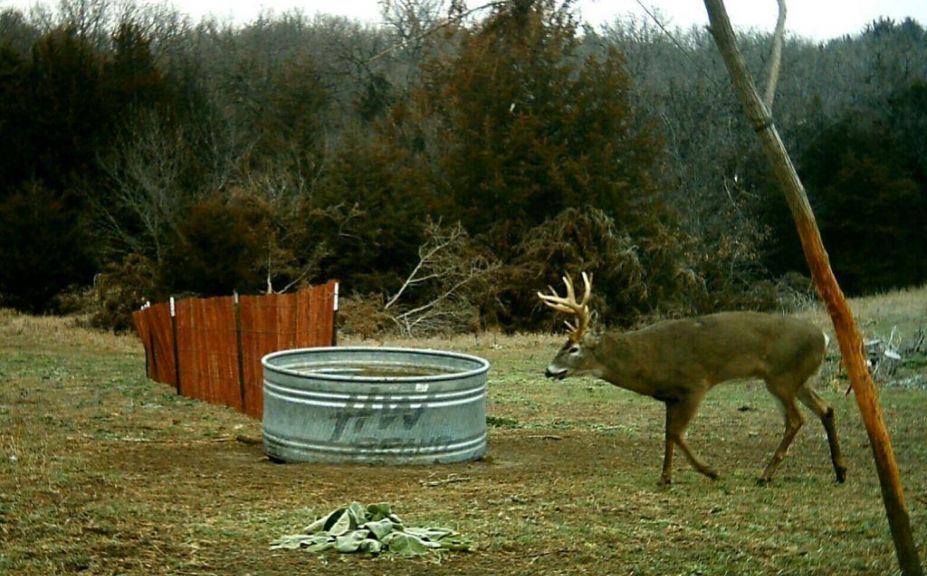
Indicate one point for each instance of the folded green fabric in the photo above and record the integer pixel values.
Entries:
(356, 541)
(382, 527)
(407, 545)
(310, 542)
(373, 529)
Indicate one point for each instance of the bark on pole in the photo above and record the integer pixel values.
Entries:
(851, 344)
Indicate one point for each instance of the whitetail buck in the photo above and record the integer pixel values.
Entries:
(679, 361)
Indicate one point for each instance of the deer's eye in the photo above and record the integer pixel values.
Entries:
(574, 349)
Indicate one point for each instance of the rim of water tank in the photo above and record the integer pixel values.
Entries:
(482, 364)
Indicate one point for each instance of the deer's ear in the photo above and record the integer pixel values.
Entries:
(594, 327)
(592, 337)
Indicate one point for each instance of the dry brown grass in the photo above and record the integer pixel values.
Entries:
(898, 316)
(23, 332)
(104, 472)
(905, 310)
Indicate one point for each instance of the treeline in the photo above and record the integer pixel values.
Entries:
(444, 166)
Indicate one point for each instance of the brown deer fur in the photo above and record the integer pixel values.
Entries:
(679, 361)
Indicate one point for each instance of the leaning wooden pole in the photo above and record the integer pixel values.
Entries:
(851, 345)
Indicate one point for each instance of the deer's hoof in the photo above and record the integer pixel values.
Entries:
(665, 481)
(712, 474)
(841, 474)
(763, 481)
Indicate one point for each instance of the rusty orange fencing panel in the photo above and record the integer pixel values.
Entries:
(219, 356)
(279, 322)
(207, 346)
(154, 329)
(315, 316)
(263, 318)
(159, 322)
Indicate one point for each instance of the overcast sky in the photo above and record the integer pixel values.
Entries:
(816, 19)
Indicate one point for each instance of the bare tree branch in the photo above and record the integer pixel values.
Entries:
(426, 255)
(775, 60)
(653, 16)
(459, 17)
(449, 273)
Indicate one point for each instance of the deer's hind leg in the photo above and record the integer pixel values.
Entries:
(816, 404)
(784, 391)
(679, 413)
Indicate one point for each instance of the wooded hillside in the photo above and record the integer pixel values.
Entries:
(444, 166)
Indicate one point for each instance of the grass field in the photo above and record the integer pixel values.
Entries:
(104, 472)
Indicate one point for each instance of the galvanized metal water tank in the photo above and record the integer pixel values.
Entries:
(374, 405)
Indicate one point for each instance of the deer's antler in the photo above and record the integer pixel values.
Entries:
(569, 305)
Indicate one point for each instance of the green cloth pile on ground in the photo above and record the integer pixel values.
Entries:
(373, 529)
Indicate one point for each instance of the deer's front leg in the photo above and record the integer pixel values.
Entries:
(793, 421)
(678, 414)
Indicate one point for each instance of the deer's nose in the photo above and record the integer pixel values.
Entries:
(557, 373)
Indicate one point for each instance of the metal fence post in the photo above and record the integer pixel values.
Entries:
(241, 351)
(174, 339)
(335, 316)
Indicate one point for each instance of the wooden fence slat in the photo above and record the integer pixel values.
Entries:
(250, 311)
(187, 323)
(208, 346)
(224, 384)
(269, 328)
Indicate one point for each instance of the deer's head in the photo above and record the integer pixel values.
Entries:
(577, 355)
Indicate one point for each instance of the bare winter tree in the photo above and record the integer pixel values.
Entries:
(681, 83)
(415, 21)
(91, 19)
(144, 181)
(18, 34)
(148, 179)
(411, 21)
